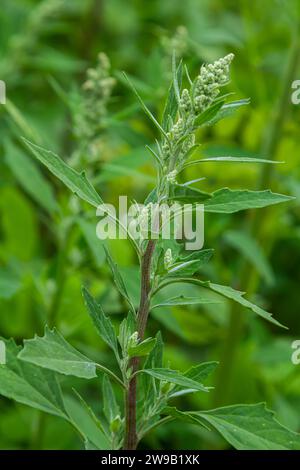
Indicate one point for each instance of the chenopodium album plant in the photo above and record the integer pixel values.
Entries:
(31, 373)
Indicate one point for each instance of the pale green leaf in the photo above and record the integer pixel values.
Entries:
(173, 376)
(251, 427)
(182, 300)
(101, 321)
(110, 406)
(53, 352)
(29, 177)
(76, 182)
(143, 348)
(228, 201)
(29, 384)
(118, 278)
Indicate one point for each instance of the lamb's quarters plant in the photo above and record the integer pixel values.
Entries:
(31, 374)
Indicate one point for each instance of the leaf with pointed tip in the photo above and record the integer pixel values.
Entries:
(228, 109)
(30, 177)
(187, 194)
(110, 407)
(76, 182)
(147, 111)
(206, 116)
(228, 201)
(250, 427)
(101, 321)
(53, 352)
(198, 373)
(171, 106)
(29, 384)
(231, 160)
(184, 416)
(118, 278)
(237, 296)
(182, 300)
(143, 348)
(87, 424)
(173, 376)
(190, 264)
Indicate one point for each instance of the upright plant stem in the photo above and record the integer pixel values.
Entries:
(257, 221)
(130, 440)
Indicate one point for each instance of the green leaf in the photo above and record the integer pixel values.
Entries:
(171, 106)
(118, 278)
(190, 264)
(237, 296)
(231, 160)
(110, 406)
(147, 111)
(143, 348)
(30, 385)
(76, 182)
(198, 373)
(206, 116)
(85, 421)
(184, 416)
(187, 194)
(173, 376)
(30, 177)
(251, 427)
(228, 110)
(251, 250)
(228, 201)
(182, 300)
(53, 352)
(101, 321)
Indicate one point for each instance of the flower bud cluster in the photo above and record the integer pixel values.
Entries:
(207, 84)
(96, 92)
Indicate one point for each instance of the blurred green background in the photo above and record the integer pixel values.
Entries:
(48, 247)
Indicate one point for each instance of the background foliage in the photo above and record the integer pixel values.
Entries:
(46, 47)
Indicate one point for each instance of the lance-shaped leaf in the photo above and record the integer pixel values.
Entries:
(237, 296)
(30, 177)
(86, 422)
(209, 114)
(171, 106)
(190, 264)
(76, 182)
(250, 427)
(231, 160)
(228, 201)
(53, 352)
(182, 300)
(118, 278)
(110, 407)
(198, 373)
(184, 416)
(101, 321)
(187, 194)
(143, 348)
(228, 109)
(29, 384)
(175, 377)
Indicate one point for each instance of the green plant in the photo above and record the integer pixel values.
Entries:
(31, 374)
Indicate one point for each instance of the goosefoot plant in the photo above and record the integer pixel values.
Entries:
(31, 373)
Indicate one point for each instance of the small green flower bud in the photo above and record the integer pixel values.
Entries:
(185, 101)
(166, 387)
(115, 424)
(168, 259)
